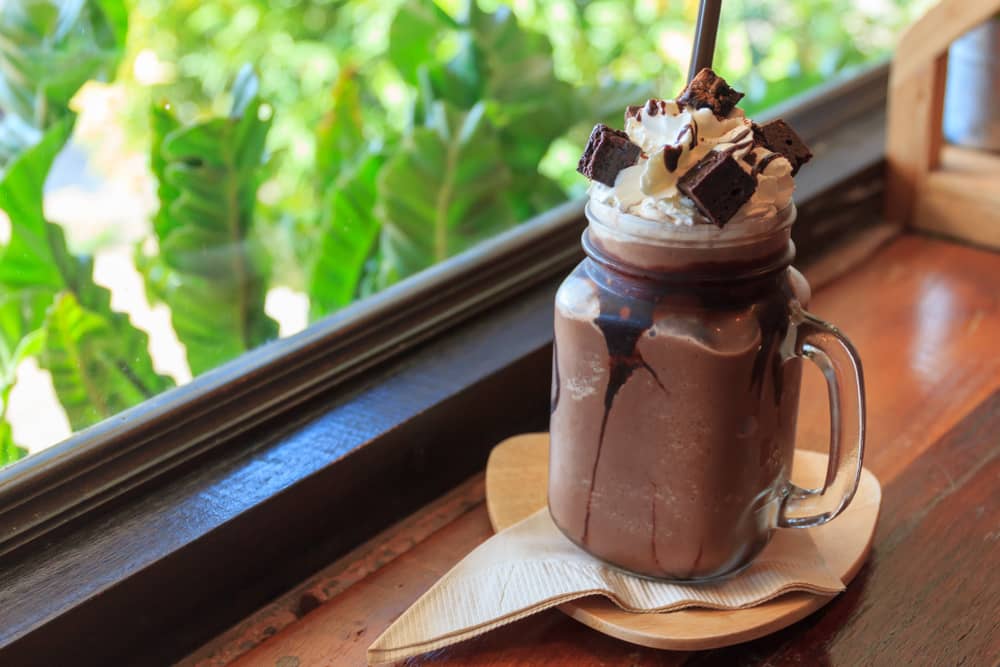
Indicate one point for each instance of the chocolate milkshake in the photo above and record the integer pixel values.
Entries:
(676, 366)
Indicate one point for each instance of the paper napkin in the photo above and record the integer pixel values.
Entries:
(532, 566)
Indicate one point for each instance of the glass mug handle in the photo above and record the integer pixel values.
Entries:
(825, 346)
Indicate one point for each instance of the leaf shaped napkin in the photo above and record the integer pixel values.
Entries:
(532, 566)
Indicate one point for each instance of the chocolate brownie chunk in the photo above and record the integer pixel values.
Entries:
(779, 137)
(718, 186)
(608, 152)
(632, 111)
(709, 90)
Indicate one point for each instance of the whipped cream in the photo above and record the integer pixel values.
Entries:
(648, 189)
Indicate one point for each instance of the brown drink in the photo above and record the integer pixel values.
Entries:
(676, 381)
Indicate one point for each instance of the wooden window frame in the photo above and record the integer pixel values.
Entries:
(140, 538)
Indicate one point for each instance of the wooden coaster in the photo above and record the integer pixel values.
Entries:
(516, 482)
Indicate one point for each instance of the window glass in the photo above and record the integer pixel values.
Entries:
(185, 180)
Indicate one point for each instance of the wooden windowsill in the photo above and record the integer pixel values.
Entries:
(924, 315)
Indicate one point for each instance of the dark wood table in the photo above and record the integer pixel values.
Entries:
(925, 316)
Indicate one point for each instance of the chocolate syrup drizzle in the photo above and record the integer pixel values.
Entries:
(738, 142)
(763, 162)
(622, 327)
(697, 559)
(739, 137)
(655, 107)
(671, 156)
(772, 320)
(555, 377)
(691, 128)
(623, 320)
(735, 144)
(652, 532)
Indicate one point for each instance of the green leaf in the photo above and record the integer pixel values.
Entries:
(99, 363)
(48, 50)
(21, 317)
(368, 285)
(442, 192)
(340, 138)
(115, 17)
(415, 32)
(531, 127)
(460, 81)
(36, 270)
(20, 338)
(29, 260)
(16, 136)
(36, 258)
(211, 271)
(518, 61)
(525, 99)
(348, 234)
(532, 193)
(162, 124)
(9, 451)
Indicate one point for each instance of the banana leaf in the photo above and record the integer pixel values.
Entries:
(21, 318)
(340, 139)
(442, 192)
(48, 50)
(532, 105)
(39, 276)
(9, 450)
(99, 364)
(211, 271)
(32, 256)
(20, 338)
(348, 235)
(414, 35)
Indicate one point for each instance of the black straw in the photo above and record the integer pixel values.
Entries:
(704, 37)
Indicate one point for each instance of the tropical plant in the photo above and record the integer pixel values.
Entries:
(51, 306)
(395, 133)
(467, 164)
(209, 268)
(20, 339)
(47, 51)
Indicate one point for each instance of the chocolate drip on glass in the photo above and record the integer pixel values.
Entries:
(622, 322)
(555, 378)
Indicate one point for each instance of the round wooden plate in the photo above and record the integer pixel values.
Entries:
(516, 482)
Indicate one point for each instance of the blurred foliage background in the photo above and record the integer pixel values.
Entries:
(772, 49)
(308, 153)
